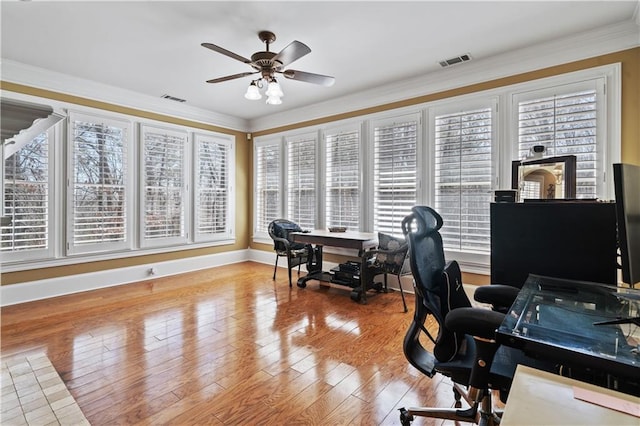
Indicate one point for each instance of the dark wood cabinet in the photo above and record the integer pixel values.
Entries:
(574, 240)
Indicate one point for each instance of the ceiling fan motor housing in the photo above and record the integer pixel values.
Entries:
(265, 59)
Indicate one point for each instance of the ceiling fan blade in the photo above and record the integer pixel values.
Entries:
(308, 77)
(231, 77)
(294, 51)
(226, 52)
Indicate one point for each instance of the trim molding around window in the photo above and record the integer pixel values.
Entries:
(463, 172)
(395, 145)
(164, 175)
(268, 163)
(343, 177)
(214, 189)
(302, 179)
(29, 195)
(99, 184)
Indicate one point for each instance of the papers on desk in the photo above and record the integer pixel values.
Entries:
(607, 401)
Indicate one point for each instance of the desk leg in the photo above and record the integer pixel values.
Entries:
(314, 268)
(359, 294)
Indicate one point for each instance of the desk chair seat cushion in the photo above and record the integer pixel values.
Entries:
(502, 370)
(283, 229)
(391, 255)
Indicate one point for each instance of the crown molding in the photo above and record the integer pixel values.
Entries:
(600, 41)
(40, 78)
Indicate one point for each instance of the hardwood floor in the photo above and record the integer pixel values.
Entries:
(227, 346)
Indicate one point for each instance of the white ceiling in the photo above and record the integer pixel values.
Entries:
(153, 48)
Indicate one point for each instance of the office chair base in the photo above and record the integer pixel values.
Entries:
(469, 415)
(480, 412)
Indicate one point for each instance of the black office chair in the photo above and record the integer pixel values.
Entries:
(464, 348)
(296, 253)
(389, 258)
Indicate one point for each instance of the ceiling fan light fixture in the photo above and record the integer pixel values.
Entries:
(267, 63)
(274, 100)
(274, 90)
(253, 93)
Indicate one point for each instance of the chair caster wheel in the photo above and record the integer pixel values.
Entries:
(377, 287)
(302, 285)
(405, 417)
(356, 295)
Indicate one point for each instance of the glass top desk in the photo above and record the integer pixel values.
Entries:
(559, 320)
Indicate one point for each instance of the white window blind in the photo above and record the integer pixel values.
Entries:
(27, 200)
(463, 175)
(268, 185)
(394, 173)
(301, 181)
(213, 190)
(164, 186)
(343, 179)
(565, 124)
(99, 170)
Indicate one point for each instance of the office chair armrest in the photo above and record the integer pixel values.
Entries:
(474, 321)
(501, 297)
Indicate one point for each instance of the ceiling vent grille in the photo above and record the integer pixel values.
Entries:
(457, 60)
(173, 98)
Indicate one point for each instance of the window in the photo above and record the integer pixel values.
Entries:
(213, 190)
(463, 175)
(394, 172)
(342, 177)
(27, 201)
(98, 197)
(163, 186)
(301, 180)
(267, 161)
(564, 120)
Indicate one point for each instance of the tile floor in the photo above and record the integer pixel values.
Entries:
(33, 394)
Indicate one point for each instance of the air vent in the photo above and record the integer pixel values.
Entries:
(456, 60)
(173, 98)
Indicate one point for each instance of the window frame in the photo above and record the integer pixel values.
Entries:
(183, 238)
(130, 202)
(603, 165)
(260, 231)
(229, 142)
(286, 170)
(351, 127)
(387, 120)
(34, 255)
(460, 105)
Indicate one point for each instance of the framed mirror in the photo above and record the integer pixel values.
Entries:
(545, 179)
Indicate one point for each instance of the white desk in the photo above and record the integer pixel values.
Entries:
(540, 398)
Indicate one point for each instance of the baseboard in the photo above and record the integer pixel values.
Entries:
(14, 294)
(43, 289)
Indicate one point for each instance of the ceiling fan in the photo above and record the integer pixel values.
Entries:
(267, 64)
